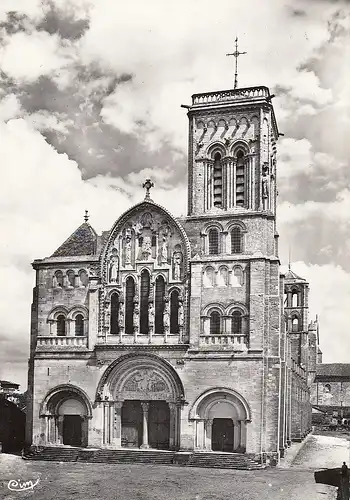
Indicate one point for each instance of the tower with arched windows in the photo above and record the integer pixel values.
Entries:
(169, 333)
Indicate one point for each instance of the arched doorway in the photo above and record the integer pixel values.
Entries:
(141, 398)
(221, 416)
(65, 413)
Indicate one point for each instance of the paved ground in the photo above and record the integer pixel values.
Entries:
(66, 481)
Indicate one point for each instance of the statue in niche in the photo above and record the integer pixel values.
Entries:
(265, 187)
(121, 317)
(128, 246)
(114, 266)
(136, 318)
(181, 314)
(177, 265)
(147, 220)
(151, 313)
(146, 248)
(166, 317)
(164, 249)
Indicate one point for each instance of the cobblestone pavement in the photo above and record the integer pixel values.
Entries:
(66, 481)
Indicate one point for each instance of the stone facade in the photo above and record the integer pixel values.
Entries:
(331, 389)
(173, 333)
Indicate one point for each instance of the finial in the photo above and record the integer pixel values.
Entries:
(289, 257)
(235, 54)
(86, 216)
(147, 185)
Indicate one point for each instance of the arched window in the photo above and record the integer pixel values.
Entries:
(58, 281)
(240, 182)
(71, 278)
(174, 312)
(129, 305)
(236, 240)
(238, 274)
(223, 276)
(209, 277)
(61, 325)
(144, 295)
(84, 278)
(159, 306)
(295, 324)
(79, 325)
(236, 325)
(213, 238)
(214, 323)
(217, 198)
(295, 301)
(114, 327)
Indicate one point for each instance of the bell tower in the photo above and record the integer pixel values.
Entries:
(232, 152)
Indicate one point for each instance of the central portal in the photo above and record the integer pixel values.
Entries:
(157, 423)
(222, 434)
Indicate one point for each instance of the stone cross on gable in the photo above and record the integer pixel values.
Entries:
(148, 185)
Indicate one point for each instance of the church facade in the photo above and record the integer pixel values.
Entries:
(172, 333)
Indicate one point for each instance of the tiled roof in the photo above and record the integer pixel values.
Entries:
(290, 275)
(8, 383)
(81, 242)
(325, 370)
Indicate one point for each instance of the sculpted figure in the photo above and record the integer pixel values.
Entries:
(151, 313)
(164, 252)
(114, 266)
(128, 247)
(177, 262)
(181, 314)
(265, 187)
(146, 247)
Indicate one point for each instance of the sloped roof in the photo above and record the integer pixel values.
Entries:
(290, 275)
(7, 383)
(325, 370)
(81, 242)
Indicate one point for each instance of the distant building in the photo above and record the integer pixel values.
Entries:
(331, 389)
(12, 418)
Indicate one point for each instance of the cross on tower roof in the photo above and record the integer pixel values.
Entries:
(86, 216)
(147, 185)
(235, 54)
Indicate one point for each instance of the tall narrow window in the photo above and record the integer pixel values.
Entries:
(129, 305)
(61, 325)
(71, 278)
(159, 306)
(236, 240)
(144, 295)
(217, 198)
(295, 302)
(79, 325)
(295, 324)
(84, 278)
(213, 238)
(174, 312)
(58, 281)
(114, 314)
(238, 275)
(236, 325)
(214, 323)
(240, 187)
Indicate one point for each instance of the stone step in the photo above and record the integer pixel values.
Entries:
(191, 459)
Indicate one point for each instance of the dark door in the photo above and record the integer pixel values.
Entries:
(72, 430)
(131, 424)
(159, 425)
(222, 435)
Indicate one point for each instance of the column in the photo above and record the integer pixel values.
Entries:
(145, 407)
(234, 184)
(236, 434)
(172, 425)
(199, 443)
(208, 424)
(111, 422)
(117, 425)
(59, 429)
(105, 423)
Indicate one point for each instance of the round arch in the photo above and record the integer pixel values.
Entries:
(58, 394)
(221, 416)
(140, 376)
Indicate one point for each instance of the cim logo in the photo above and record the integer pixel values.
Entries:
(18, 485)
